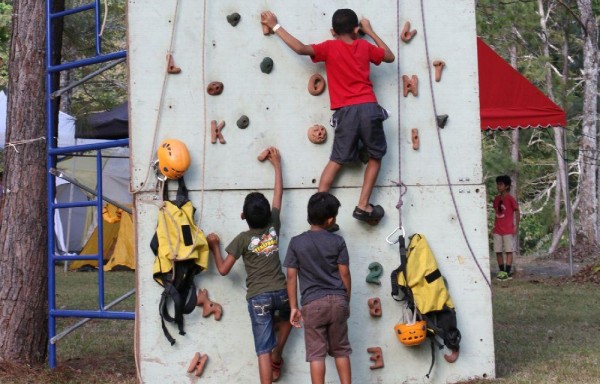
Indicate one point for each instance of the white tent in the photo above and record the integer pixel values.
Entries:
(73, 226)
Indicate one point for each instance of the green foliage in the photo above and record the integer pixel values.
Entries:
(5, 29)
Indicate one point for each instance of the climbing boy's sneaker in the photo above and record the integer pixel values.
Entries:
(372, 217)
(503, 276)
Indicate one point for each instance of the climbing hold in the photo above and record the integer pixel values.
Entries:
(439, 67)
(234, 19)
(376, 270)
(415, 138)
(266, 65)
(317, 134)
(407, 34)
(374, 307)
(451, 358)
(441, 120)
(208, 306)
(410, 85)
(197, 364)
(215, 132)
(243, 122)
(215, 88)
(171, 68)
(376, 356)
(316, 84)
(263, 155)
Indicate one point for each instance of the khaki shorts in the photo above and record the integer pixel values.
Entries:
(504, 243)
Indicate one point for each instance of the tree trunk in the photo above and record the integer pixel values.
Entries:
(561, 174)
(588, 214)
(514, 144)
(23, 237)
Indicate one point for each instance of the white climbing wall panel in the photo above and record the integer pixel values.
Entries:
(207, 48)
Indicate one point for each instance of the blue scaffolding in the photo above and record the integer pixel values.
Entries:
(103, 311)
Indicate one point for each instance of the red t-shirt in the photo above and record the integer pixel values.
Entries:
(505, 207)
(348, 67)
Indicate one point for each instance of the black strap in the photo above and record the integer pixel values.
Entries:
(401, 268)
(182, 193)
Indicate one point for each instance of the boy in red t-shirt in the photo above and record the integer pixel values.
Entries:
(357, 115)
(506, 225)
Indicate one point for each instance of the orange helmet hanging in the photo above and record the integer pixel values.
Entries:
(411, 334)
(173, 158)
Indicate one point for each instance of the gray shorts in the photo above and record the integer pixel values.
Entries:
(358, 123)
(504, 243)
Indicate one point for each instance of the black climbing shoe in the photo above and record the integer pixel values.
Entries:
(372, 217)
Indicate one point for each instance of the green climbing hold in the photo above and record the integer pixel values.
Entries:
(376, 270)
(266, 66)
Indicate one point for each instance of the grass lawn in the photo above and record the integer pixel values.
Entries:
(545, 332)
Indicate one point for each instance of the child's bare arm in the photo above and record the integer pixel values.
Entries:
(269, 19)
(346, 279)
(295, 316)
(365, 26)
(275, 158)
(223, 266)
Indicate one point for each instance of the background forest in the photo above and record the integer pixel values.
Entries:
(546, 40)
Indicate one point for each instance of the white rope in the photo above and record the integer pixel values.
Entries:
(14, 144)
(104, 18)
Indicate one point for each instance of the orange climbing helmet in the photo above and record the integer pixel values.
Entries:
(173, 158)
(411, 334)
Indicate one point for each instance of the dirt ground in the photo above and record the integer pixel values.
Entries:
(583, 268)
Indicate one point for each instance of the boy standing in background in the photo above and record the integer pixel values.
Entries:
(506, 226)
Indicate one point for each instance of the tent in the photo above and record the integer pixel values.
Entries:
(508, 100)
(74, 227)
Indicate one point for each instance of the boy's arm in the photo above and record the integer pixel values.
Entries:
(295, 315)
(275, 158)
(223, 266)
(269, 19)
(365, 26)
(346, 279)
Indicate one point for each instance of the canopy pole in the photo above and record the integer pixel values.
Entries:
(568, 211)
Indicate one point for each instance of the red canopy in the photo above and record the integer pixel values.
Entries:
(508, 100)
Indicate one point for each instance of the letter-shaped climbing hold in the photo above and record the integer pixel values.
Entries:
(376, 356)
(266, 65)
(234, 19)
(439, 67)
(376, 270)
(243, 122)
(215, 88)
(317, 134)
(406, 35)
(414, 136)
(215, 132)
(441, 120)
(197, 364)
(171, 68)
(410, 85)
(316, 84)
(208, 306)
(263, 155)
(375, 307)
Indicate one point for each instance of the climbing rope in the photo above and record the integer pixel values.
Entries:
(160, 104)
(462, 228)
(13, 144)
(399, 183)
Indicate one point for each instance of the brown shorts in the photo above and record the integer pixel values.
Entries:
(326, 327)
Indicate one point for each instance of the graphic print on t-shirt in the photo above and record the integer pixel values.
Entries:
(265, 244)
(500, 210)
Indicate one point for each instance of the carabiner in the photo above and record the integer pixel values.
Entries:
(398, 229)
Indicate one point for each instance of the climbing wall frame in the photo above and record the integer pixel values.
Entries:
(444, 199)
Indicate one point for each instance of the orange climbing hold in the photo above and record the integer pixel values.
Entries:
(376, 356)
(407, 34)
(208, 307)
(410, 85)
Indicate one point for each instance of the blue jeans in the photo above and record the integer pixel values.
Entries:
(262, 309)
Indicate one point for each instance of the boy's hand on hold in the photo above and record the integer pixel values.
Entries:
(296, 318)
(213, 240)
(274, 157)
(365, 26)
(268, 18)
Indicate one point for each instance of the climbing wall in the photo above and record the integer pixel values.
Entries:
(178, 48)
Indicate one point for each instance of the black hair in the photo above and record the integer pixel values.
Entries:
(344, 21)
(257, 210)
(504, 179)
(322, 206)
